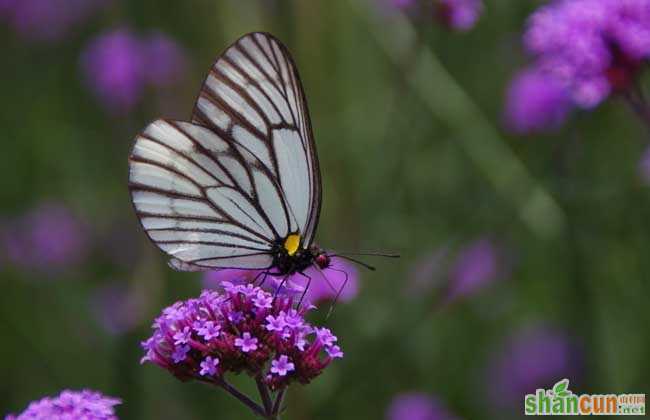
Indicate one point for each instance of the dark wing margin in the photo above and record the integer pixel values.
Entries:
(253, 98)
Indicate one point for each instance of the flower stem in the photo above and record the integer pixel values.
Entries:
(264, 394)
(278, 403)
(245, 399)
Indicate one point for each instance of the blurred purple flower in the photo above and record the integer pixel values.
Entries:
(324, 286)
(119, 65)
(47, 20)
(535, 102)
(113, 65)
(417, 406)
(165, 60)
(232, 332)
(535, 357)
(460, 15)
(477, 265)
(48, 237)
(7, 7)
(644, 166)
(327, 283)
(117, 308)
(71, 405)
(216, 278)
(593, 47)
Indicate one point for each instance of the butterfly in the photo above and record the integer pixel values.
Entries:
(239, 186)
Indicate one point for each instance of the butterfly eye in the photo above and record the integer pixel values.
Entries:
(322, 261)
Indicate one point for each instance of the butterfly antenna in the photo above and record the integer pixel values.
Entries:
(354, 260)
(371, 254)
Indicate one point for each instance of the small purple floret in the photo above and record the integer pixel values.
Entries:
(246, 343)
(180, 353)
(282, 366)
(275, 323)
(325, 336)
(263, 301)
(208, 330)
(182, 337)
(209, 366)
(334, 352)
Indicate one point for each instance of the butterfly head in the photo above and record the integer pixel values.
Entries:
(322, 260)
(291, 256)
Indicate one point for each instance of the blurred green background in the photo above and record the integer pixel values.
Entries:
(407, 117)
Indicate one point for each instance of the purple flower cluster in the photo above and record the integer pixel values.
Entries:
(244, 329)
(118, 66)
(47, 20)
(71, 405)
(48, 237)
(588, 48)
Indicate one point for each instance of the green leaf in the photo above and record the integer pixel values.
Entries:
(560, 389)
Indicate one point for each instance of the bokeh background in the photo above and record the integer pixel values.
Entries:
(524, 257)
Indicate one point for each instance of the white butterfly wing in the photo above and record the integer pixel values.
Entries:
(221, 191)
(190, 189)
(253, 94)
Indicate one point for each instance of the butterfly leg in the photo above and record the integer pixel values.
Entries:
(304, 292)
(277, 291)
(262, 274)
(327, 281)
(338, 293)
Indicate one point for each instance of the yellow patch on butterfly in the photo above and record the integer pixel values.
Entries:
(291, 243)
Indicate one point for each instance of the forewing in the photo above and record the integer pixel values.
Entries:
(196, 198)
(254, 97)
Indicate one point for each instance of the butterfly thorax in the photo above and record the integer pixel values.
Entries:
(289, 257)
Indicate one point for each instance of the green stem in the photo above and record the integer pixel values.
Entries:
(245, 399)
(482, 142)
(278, 404)
(264, 394)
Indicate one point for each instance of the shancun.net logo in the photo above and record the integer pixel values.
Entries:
(561, 401)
